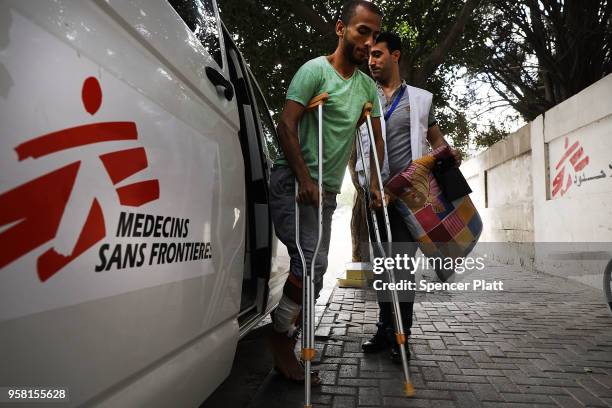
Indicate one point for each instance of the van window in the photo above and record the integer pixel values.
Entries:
(269, 133)
(199, 15)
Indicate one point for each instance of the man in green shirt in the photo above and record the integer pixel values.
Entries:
(349, 89)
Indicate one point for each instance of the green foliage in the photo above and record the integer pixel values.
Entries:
(536, 54)
(532, 54)
(276, 41)
(407, 33)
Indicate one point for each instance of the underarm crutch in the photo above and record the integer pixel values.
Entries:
(308, 289)
(400, 337)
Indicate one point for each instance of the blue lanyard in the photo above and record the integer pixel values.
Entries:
(395, 102)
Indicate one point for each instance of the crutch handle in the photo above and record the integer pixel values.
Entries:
(367, 110)
(317, 100)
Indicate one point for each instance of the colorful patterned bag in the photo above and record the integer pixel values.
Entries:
(443, 229)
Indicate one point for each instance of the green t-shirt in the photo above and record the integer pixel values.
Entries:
(341, 113)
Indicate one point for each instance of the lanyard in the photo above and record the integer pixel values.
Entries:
(395, 102)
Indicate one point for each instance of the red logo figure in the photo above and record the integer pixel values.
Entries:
(36, 208)
(575, 153)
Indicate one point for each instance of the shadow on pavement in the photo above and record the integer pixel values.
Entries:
(251, 365)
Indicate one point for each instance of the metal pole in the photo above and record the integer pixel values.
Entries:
(308, 274)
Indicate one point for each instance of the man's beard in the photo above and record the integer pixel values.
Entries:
(349, 52)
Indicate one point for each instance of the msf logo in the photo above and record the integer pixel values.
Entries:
(32, 214)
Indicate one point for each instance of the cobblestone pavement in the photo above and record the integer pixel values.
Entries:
(543, 341)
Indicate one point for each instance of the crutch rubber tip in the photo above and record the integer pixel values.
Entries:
(409, 389)
(308, 354)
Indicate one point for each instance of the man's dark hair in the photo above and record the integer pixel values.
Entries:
(348, 9)
(393, 41)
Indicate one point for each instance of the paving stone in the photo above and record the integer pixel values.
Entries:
(405, 402)
(480, 357)
(605, 380)
(596, 388)
(333, 351)
(449, 368)
(347, 371)
(465, 362)
(437, 345)
(343, 402)
(443, 404)
(338, 331)
(432, 374)
(334, 389)
(586, 397)
(467, 378)
(320, 399)
(328, 377)
(480, 371)
(325, 366)
(423, 363)
(559, 382)
(466, 400)
(541, 389)
(358, 382)
(433, 357)
(486, 392)
(392, 387)
(446, 385)
(373, 400)
(527, 398)
(342, 360)
(377, 374)
(494, 351)
(511, 405)
(352, 347)
(433, 394)
(565, 401)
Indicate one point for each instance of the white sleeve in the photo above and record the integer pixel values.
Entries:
(365, 140)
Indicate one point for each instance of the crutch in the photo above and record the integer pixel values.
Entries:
(400, 337)
(308, 296)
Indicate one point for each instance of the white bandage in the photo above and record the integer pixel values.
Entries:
(285, 315)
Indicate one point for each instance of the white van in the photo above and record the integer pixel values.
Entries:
(136, 245)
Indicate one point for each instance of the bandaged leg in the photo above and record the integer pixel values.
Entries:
(286, 316)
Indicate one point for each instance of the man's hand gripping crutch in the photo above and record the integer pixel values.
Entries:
(308, 284)
(400, 337)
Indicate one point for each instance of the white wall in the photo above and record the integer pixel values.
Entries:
(585, 118)
(560, 223)
(500, 178)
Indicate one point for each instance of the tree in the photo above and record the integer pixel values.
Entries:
(538, 53)
(277, 36)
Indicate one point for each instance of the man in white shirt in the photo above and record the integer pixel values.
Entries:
(409, 125)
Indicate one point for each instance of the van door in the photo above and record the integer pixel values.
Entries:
(122, 201)
(258, 238)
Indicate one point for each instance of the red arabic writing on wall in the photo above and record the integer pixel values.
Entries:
(577, 160)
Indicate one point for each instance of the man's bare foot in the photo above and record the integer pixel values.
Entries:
(285, 361)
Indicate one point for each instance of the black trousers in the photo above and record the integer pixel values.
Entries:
(402, 243)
